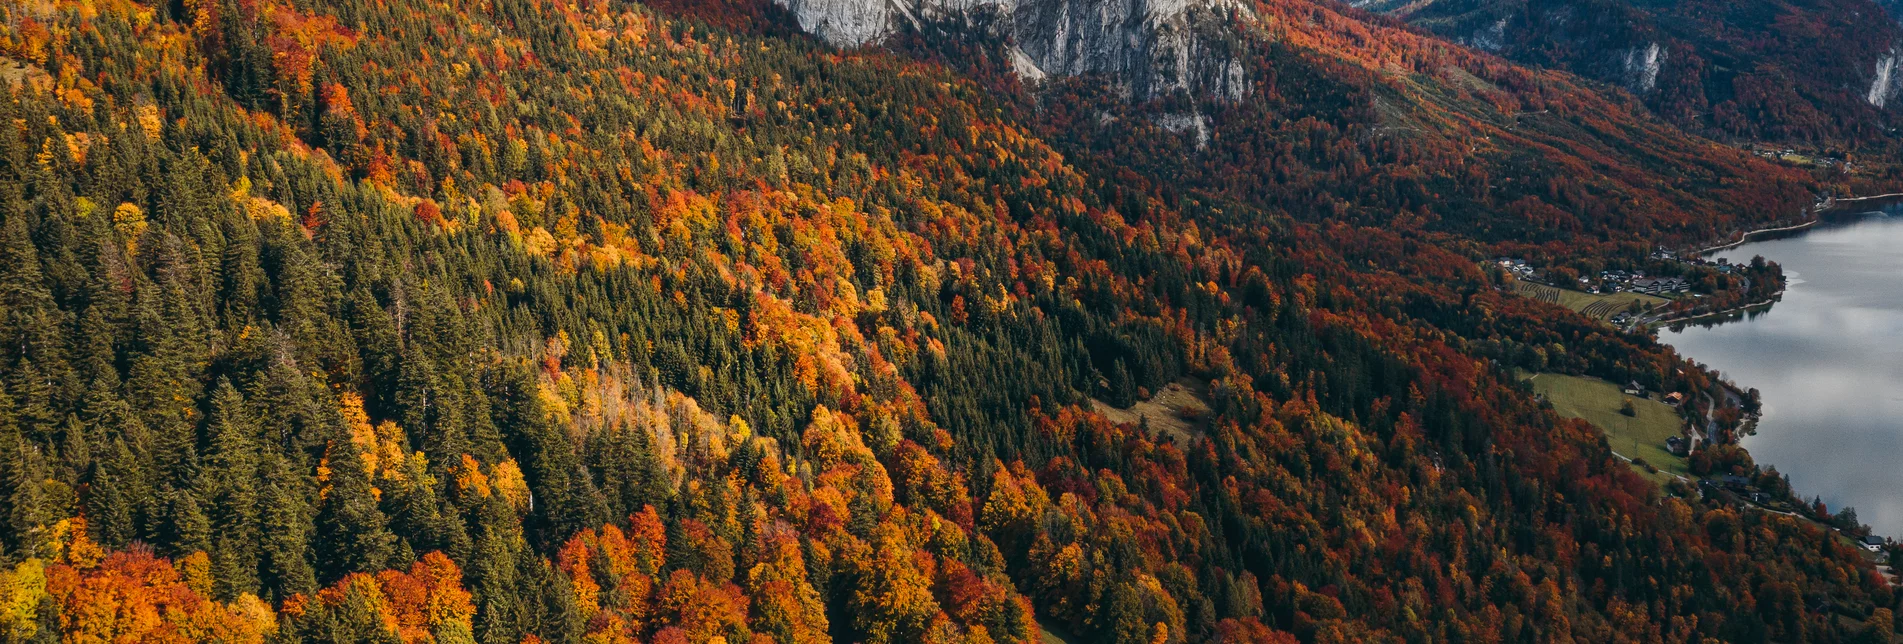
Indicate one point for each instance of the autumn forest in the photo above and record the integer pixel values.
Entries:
(536, 321)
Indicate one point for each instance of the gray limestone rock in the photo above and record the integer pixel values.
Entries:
(1146, 48)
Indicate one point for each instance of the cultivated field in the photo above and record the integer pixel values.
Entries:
(1596, 306)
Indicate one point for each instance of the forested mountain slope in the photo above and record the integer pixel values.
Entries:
(1328, 113)
(1812, 72)
(529, 321)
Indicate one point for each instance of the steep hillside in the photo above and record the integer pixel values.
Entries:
(527, 321)
(1419, 134)
(1814, 72)
(1348, 117)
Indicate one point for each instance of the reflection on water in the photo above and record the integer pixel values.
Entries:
(1828, 360)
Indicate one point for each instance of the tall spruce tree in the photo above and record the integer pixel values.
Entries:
(285, 547)
(418, 515)
(29, 511)
(229, 483)
(109, 504)
(492, 572)
(30, 326)
(352, 533)
(182, 527)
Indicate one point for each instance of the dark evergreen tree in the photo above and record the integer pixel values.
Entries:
(352, 533)
(229, 483)
(566, 500)
(419, 516)
(182, 527)
(110, 510)
(285, 533)
(29, 511)
(493, 574)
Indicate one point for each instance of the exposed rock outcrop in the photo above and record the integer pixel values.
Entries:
(1146, 48)
(1886, 89)
(1642, 68)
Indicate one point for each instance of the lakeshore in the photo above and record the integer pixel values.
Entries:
(1745, 237)
(1824, 357)
(1694, 318)
(1813, 216)
(1893, 195)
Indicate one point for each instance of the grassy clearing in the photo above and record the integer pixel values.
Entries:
(1598, 402)
(1177, 410)
(1598, 306)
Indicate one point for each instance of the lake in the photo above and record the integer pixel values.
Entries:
(1828, 361)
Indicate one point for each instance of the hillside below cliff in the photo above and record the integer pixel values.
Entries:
(1330, 113)
(1817, 72)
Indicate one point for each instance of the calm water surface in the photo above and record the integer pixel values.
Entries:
(1828, 360)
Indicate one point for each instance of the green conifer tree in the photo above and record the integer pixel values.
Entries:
(352, 532)
(179, 526)
(109, 508)
(229, 481)
(285, 534)
(29, 511)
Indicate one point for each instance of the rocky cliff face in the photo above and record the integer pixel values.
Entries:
(1885, 88)
(1146, 48)
(1642, 68)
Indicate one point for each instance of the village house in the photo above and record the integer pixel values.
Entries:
(1659, 285)
(1518, 267)
(1677, 446)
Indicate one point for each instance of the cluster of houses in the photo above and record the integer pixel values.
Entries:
(1633, 388)
(1789, 154)
(1518, 267)
(1621, 281)
(1637, 282)
(1615, 281)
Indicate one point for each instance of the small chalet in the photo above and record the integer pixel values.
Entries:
(1633, 388)
(1677, 446)
(1675, 399)
(1872, 543)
